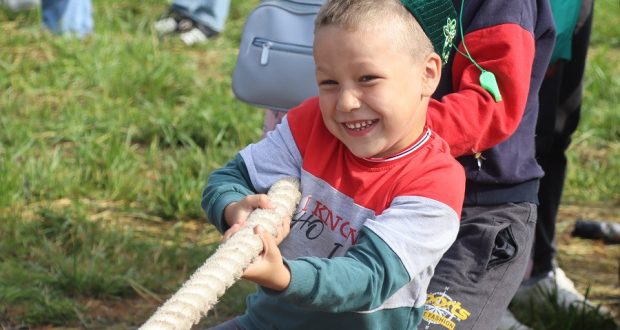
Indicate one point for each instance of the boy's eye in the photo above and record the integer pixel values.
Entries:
(368, 78)
(328, 82)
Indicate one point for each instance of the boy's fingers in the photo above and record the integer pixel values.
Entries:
(286, 225)
(258, 230)
(262, 201)
(283, 230)
(265, 237)
(235, 228)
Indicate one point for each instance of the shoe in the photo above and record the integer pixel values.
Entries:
(556, 286)
(190, 31)
(173, 22)
(193, 37)
(19, 5)
(185, 24)
(165, 25)
(510, 322)
(568, 294)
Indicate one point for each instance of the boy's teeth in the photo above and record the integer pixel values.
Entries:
(359, 125)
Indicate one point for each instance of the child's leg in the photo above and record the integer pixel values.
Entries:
(476, 279)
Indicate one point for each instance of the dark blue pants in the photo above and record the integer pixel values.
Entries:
(560, 107)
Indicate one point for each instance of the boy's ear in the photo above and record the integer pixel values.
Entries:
(431, 74)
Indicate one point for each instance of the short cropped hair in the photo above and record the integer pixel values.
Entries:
(372, 14)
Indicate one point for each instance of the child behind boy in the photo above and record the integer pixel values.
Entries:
(381, 194)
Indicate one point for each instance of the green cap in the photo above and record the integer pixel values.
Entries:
(438, 20)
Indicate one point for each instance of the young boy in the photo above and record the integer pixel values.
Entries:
(381, 194)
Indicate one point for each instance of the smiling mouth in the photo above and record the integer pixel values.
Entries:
(360, 125)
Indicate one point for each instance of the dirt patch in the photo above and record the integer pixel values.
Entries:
(591, 264)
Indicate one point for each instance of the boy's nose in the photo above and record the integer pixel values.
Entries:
(348, 101)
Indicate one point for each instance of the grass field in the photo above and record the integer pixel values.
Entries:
(107, 142)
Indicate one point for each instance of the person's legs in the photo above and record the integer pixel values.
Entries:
(551, 157)
(560, 107)
(479, 274)
(210, 13)
(195, 20)
(560, 97)
(52, 12)
(68, 16)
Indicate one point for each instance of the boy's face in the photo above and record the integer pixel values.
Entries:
(373, 94)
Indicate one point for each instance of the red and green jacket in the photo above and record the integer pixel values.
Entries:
(494, 141)
(367, 234)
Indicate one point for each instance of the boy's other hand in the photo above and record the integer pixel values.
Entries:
(268, 269)
(238, 212)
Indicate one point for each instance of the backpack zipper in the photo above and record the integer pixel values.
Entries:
(268, 45)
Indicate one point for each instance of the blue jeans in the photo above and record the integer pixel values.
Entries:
(211, 13)
(68, 16)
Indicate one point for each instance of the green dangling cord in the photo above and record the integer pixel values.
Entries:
(487, 78)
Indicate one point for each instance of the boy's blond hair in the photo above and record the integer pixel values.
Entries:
(375, 14)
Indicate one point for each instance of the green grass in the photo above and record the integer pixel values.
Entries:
(59, 256)
(120, 118)
(594, 156)
(120, 115)
(575, 316)
(106, 137)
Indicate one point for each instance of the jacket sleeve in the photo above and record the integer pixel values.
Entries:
(253, 171)
(226, 185)
(470, 119)
(361, 280)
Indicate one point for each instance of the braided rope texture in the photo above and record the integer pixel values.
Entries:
(227, 264)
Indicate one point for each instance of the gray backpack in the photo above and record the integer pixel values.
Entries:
(275, 68)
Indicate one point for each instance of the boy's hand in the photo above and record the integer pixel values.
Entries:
(238, 212)
(268, 270)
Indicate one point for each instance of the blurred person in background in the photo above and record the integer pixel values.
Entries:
(195, 21)
(560, 100)
(72, 17)
(62, 17)
(18, 5)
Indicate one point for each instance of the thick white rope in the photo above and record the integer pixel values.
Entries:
(226, 266)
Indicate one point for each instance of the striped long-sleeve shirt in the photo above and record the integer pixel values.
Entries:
(367, 233)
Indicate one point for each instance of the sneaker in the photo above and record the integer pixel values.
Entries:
(193, 37)
(19, 5)
(185, 24)
(510, 322)
(568, 294)
(165, 25)
(556, 285)
(173, 22)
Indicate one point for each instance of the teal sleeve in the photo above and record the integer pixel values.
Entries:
(228, 184)
(565, 16)
(368, 274)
